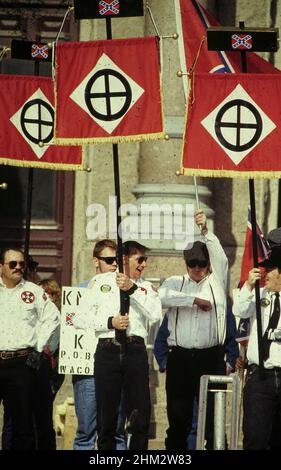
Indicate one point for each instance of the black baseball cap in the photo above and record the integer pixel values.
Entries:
(198, 251)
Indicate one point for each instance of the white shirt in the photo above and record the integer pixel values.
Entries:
(28, 318)
(244, 306)
(104, 297)
(190, 327)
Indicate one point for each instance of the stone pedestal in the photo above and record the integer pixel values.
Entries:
(166, 216)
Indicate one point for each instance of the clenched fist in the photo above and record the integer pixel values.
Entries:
(123, 281)
(204, 305)
(254, 275)
(120, 322)
(201, 221)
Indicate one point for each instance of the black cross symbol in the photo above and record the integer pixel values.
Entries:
(41, 123)
(108, 95)
(238, 125)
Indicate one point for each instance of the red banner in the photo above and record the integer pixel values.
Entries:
(248, 260)
(108, 91)
(27, 125)
(233, 126)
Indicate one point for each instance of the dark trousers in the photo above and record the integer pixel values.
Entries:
(261, 403)
(16, 388)
(116, 375)
(184, 370)
(43, 408)
(46, 383)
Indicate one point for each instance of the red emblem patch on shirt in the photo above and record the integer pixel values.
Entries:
(27, 297)
(68, 318)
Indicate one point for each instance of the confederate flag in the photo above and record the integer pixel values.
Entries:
(27, 125)
(108, 91)
(85, 9)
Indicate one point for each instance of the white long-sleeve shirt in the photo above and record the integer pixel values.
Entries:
(104, 301)
(28, 317)
(244, 306)
(189, 326)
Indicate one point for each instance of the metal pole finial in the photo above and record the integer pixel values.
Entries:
(170, 36)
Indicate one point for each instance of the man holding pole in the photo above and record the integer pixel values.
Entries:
(120, 372)
(262, 393)
(105, 261)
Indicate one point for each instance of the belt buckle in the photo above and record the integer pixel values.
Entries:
(6, 355)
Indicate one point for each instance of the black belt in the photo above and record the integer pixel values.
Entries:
(254, 367)
(4, 355)
(129, 339)
(135, 339)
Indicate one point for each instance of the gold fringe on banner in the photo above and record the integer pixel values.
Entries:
(107, 140)
(41, 165)
(161, 52)
(230, 173)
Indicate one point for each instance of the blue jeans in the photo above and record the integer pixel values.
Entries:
(191, 438)
(86, 411)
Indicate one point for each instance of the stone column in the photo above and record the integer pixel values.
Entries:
(159, 161)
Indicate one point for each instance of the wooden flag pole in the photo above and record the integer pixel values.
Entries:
(120, 335)
(29, 201)
(254, 238)
(31, 170)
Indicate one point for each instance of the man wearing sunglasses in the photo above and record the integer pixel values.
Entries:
(197, 325)
(29, 319)
(84, 387)
(262, 393)
(119, 374)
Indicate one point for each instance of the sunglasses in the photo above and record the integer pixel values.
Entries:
(196, 262)
(141, 259)
(108, 259)
(13, 264)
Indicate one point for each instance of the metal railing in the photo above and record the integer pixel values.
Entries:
(219, 412)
